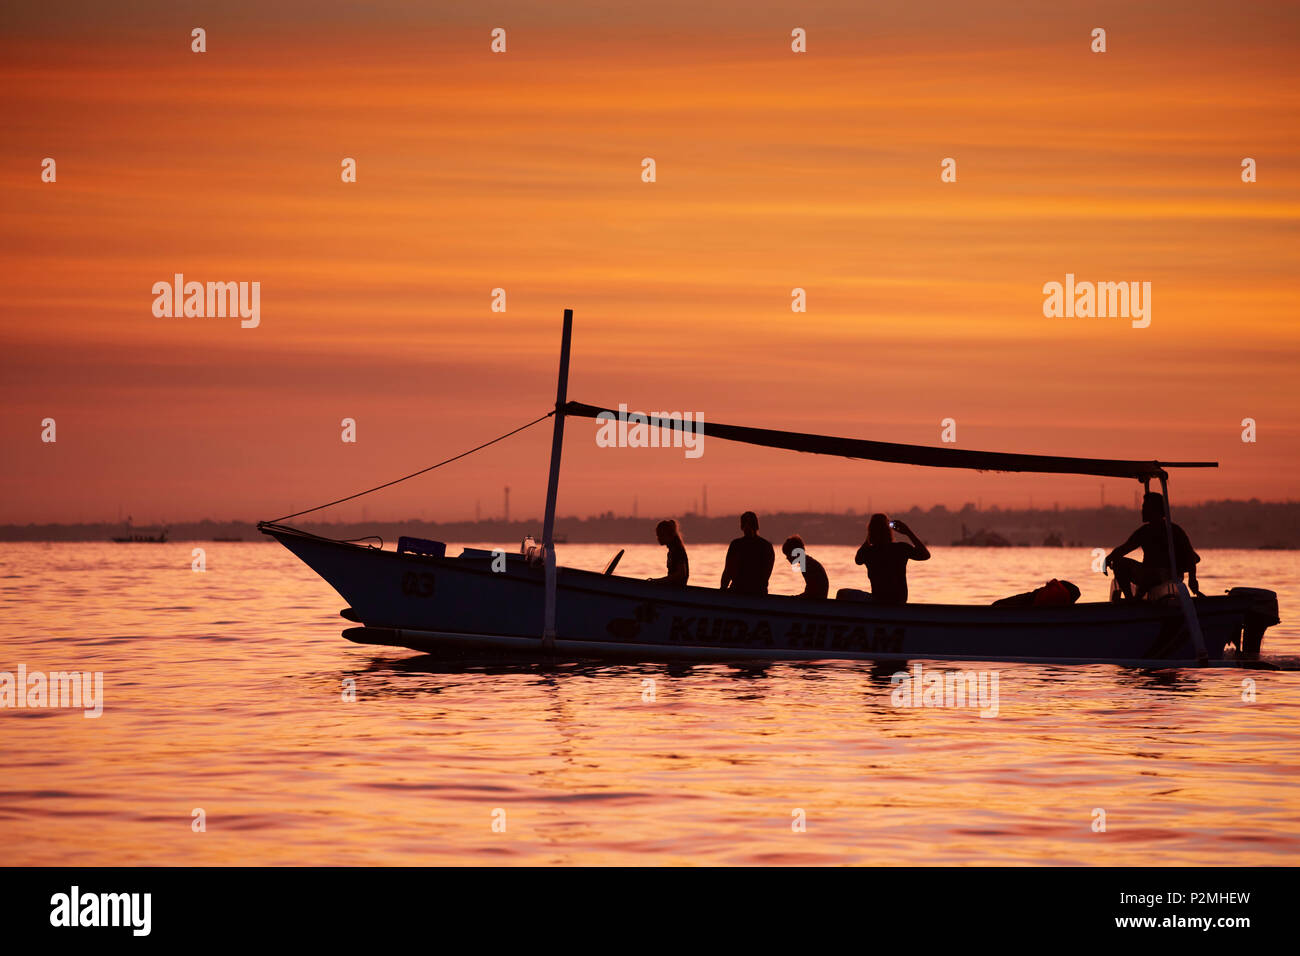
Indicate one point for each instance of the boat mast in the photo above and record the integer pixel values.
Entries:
(1185, 599)
(553, 482)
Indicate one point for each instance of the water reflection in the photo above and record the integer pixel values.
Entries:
(1181, 681)
(588, 766)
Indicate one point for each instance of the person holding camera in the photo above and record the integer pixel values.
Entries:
(886, 559)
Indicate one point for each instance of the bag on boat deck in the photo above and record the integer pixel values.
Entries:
(852, 594)
(433, 549)
(1054, 593)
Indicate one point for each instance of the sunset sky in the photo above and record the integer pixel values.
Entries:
(522, 171)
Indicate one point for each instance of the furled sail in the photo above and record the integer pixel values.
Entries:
(904, 454)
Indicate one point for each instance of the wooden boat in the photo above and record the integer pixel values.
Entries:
(526, 604)
(428, 602)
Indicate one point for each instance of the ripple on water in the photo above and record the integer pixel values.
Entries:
(240, 712)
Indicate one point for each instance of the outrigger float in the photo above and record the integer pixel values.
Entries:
(476, 604)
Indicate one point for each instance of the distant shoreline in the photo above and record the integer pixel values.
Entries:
(1216, 524)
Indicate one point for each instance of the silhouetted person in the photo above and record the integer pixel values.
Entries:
(815, 582)
(886, 559)
(749, 560)
(679, 567)
(1136, 579)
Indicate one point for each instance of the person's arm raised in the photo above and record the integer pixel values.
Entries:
(922, 552)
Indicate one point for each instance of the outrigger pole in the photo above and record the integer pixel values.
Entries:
(553, 482)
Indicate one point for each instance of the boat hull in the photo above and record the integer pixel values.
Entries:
(439, 603)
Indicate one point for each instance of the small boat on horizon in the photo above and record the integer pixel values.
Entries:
(983, 538)
(140, 537)
(527, 605)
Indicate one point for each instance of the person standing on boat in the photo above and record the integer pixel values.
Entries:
(815, 583)
(749, 559)
(1135, 579)
(886, 559)
(679, 566)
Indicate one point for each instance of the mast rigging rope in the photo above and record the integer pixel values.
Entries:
(339, 501)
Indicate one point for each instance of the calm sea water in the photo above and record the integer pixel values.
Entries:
(223, 693)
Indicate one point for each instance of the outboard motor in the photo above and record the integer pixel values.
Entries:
(1260, 615)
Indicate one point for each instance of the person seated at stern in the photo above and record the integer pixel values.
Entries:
(886, 559)
(679, 566)
(815, 583)
(1135, 579)
(749, 560)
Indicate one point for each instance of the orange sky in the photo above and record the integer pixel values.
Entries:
(522, 171)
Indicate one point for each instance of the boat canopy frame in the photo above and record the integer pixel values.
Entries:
(924, 455)
(858, 448)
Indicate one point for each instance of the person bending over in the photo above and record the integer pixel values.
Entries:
(815, 583)
(679, 566)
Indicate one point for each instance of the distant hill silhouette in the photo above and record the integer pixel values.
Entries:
(1213, 524)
